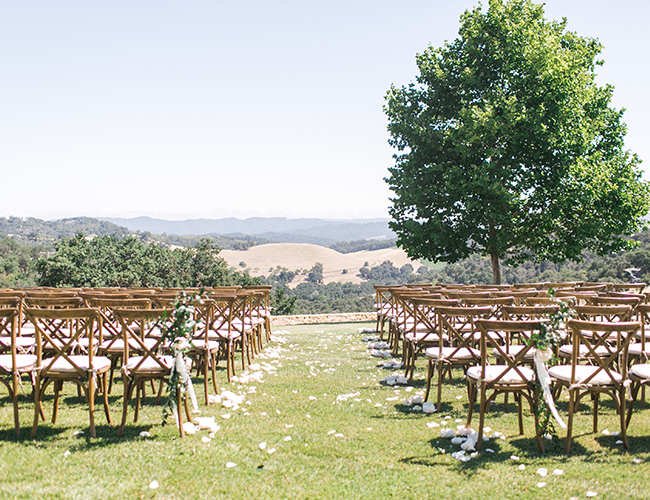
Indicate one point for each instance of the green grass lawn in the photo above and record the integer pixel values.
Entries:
(337, 433)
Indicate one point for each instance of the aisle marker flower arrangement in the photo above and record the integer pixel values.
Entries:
(550, 336)
(178, 329)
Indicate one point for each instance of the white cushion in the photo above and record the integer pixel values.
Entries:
(150, 366)
(583, 372)
(117, 345)
(24, 362)
(23, 343)
(637, 350)
(513, 350)
(453, 353)
(63, 366)
(492, 372)
(567, 351)
(640, 371)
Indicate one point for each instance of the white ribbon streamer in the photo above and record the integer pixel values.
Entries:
(545, 381)
(181, 368)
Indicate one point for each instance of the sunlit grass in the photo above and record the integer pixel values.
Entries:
(379, 448)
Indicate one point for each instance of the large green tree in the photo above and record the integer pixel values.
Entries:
(508, 148)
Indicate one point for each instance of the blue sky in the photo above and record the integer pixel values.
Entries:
(200, 109)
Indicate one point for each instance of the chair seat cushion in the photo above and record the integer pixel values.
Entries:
(583, 372)
(637, 350)
(424, 335)
(583, 351)
(200, 345)
(116, 346)
(492, 372)
(453, 353)
(24, 363)
(640, 371)
(22, 343)
(514, 350)
(149, 366)
(62, 366)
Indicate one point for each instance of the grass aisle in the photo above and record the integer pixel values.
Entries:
(317, 425)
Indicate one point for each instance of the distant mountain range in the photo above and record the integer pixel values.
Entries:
(278, 229)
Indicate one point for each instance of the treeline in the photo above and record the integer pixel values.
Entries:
(131, 261)
(360, 245)
(107, 261)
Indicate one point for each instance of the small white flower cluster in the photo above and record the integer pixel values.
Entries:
(200, 424)
(379, 345)
(466, 437)
(366, 330)
(391, 364)
(394, 380)
(344, 397)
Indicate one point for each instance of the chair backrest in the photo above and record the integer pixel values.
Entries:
(457, 326)
(629, 287)
(60, 331)
(528, 313)
(138, 325)
(606, 347)
(108, 325)
(605, 313)
(493, 335)
(54, 302)
(9, 326)
(613, 301)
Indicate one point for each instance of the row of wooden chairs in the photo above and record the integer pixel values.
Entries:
(457, 327)
(83, 335)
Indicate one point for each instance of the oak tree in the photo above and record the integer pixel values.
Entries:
(507, 147)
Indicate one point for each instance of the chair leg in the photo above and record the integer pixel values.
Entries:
(595, 422)
(91, 406)
(572, 404)
(105, 398)
(37, 405)
(128, 393)
(429, 375)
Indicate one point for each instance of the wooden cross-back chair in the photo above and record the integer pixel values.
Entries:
(604, 314)
(382, 307)
(111, 342)
(87, 370)
(456, 343)
(15, 363)
(511, 376)
(606, 371)
(23, 344)
(420, 328)
(629, 287)
(227, 326)
(262, 311)
(496, 303)
(403, 319)
(147, 361)
(205, 348)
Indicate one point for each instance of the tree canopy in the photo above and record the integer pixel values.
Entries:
(508, 148)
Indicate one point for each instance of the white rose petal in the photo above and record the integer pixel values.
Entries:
(522, 467)
(230, 465)
(591, 494)
(637, 461)
(558, 472)
(270, 451)
(145, 434)
(189, 428)
(262, 446)
(66, 453)
(288, 438)
(514, 457)
(431, 425)
(542, 472)
(541, 485)
(153, 485)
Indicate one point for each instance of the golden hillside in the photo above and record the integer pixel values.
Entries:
(261, 259)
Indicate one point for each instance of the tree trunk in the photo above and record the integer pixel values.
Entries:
(496, 269)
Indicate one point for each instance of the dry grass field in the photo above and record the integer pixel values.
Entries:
(262, 259)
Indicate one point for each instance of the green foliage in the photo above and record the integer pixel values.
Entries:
(281, 303)
(507, 147)
(359, 245)
(129, 262)
(31, 231)
(18, 263)
(316, 273)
